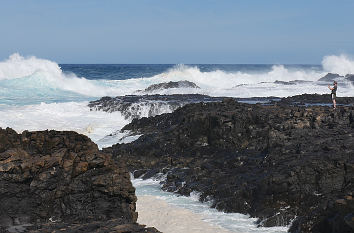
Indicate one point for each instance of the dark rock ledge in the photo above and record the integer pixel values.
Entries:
(54, 181)
(278, 162)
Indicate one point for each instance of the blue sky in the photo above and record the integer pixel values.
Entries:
(183, 31)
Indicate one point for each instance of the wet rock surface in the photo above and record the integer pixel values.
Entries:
(136, 106)
(276, 162)
(51, 180)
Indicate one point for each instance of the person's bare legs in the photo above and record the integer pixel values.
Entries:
(334, 104)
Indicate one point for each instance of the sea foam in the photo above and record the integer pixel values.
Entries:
(232, 222)
(342, 64)
(74, 116)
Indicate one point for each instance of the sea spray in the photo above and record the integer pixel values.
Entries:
(26, 79)
(342, 64)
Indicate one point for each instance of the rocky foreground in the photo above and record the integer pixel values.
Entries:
(54, 181)
(285, 163)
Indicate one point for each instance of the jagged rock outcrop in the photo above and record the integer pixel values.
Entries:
(137, 106)
(52, 179)
(274, 162)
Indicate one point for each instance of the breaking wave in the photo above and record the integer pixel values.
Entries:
(39, 75)
(30, 80)
(342, 64)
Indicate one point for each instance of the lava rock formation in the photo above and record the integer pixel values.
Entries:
(278, 162)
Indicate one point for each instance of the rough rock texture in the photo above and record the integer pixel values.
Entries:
(60, 177)
(274, 162)
(137, 106)
(113, 225)
(314, 99)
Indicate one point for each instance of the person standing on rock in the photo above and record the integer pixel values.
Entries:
(333, 93)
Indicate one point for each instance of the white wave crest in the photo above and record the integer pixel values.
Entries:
(74, 116)
(39, 73)
(341, 64)
(233, 84)
(17, 66)
(20, 75)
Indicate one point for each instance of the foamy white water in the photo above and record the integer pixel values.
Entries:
(102, 127)
(162, 210)
(342, 64)
(74, 116)
(25, 79)
(35, 94)
(155, 212)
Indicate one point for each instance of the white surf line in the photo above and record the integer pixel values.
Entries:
(155, 212)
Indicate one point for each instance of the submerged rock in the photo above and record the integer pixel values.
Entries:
(51, 179)
(276, 162)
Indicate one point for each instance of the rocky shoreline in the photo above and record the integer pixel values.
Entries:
(282, 160)
(59, 181)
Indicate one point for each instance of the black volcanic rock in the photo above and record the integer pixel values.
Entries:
(179, 84)
(313, 99)
(134, 106)
(273, 162)
(113, 225)
(330, 77)
(51, 179)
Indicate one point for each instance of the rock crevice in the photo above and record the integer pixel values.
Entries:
(278, 162)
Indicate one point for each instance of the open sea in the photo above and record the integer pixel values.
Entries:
(39, 94)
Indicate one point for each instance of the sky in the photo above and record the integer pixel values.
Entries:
(181, 31)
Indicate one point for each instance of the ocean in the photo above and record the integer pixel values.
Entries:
(39, 94)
